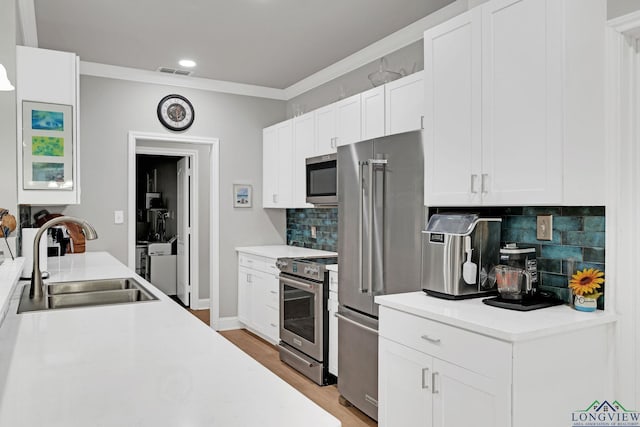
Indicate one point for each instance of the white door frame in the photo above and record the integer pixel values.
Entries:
(214, 208)
(623, 203)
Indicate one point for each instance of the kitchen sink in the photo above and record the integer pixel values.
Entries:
(85, 293)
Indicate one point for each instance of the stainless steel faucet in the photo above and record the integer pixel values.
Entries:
(36, 290)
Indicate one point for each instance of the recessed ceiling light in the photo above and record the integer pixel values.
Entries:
(187, 63)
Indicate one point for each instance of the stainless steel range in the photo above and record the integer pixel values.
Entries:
(304, 319)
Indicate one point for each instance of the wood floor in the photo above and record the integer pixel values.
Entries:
(267, 354)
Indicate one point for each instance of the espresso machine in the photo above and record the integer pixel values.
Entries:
(517, 281)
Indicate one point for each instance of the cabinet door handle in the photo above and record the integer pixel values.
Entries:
(425, 380)
(275, 198)
(273, 325)
(434, 390)
(483, 183)
(421, 122)
(249, 278)
(431, 339)
(473, 183)
(274, 292)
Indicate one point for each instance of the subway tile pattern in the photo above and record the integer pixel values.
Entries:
(578, 240)
(300, 221)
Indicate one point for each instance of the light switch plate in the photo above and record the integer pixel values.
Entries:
(313, 232)
(118, 217)
(544, 227)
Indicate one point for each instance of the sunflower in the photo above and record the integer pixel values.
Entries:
(586, 282)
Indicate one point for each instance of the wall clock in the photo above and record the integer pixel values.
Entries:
(175, 112)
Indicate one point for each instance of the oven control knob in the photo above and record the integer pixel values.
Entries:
(311, 270)
(281, 264)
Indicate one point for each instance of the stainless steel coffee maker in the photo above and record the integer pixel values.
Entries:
(459, 253)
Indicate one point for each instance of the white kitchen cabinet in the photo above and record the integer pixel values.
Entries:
(348, 120)
(455, 363)
(404, 104)
(372, 104)
(426, 376)
(325, 130)
(277, 165)
(304, 132)
(404, 385)
(497, 118)
(258, 296)
(48, 77)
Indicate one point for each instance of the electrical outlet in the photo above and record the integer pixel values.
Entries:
(544, 227)
(313, 231)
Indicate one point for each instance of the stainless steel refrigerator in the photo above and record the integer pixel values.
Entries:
(380, 217)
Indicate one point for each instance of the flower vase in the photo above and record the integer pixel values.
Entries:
(585, 304)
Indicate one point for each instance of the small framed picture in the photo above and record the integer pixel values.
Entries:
(242, 196)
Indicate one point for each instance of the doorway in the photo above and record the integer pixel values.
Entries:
(202, 272)
(164, 206)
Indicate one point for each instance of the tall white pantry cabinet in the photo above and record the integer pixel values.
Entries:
(48, 77)
(514, 98)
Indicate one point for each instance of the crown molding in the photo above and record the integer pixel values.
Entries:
(27, 16)
(95, 69)
(628, 24)
(401, 38)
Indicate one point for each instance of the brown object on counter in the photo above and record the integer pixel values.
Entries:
(8, 221)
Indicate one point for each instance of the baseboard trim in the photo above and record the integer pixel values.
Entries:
(202, 304)
(227, 324)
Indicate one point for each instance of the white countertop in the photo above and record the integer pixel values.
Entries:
(144, 364)
(500, 323)
(332, 267)
(10, 271)
(284, 251)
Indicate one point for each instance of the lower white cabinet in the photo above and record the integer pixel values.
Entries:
(434, 374)
(258, 296)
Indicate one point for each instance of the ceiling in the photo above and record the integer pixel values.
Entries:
(272, 43)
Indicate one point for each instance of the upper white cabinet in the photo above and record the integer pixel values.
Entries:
(325, 129)
(304, 130)
(47, 84)
(277, 165)
(497, 117)
(404, 104)
(348, 120)
(372, 113)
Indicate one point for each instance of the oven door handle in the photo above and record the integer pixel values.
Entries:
(353, 322)
(297, 283)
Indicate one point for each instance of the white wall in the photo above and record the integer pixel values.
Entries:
(617, 8)
(109, 109)
(8, 173)
(357, 81)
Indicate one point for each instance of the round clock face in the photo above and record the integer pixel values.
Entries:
(175, 112)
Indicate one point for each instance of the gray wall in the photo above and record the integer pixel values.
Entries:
(109, 109)
(617, 8)
(409, 57)
(8, 148)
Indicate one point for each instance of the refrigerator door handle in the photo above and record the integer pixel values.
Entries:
(370, 229)
(373, 163)
(360, 224)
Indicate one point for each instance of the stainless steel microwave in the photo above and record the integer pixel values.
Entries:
(322, 180)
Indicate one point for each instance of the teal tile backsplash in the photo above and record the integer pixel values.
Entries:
(299, 222)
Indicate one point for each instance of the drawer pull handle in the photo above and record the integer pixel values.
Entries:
(425, 381)
(273, 325)
(431, 339)
(274, 292)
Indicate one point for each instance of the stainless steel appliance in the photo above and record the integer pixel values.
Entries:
(517, 280)
(380, 200)
(453, 242)
(304, 320)
(321, 176)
